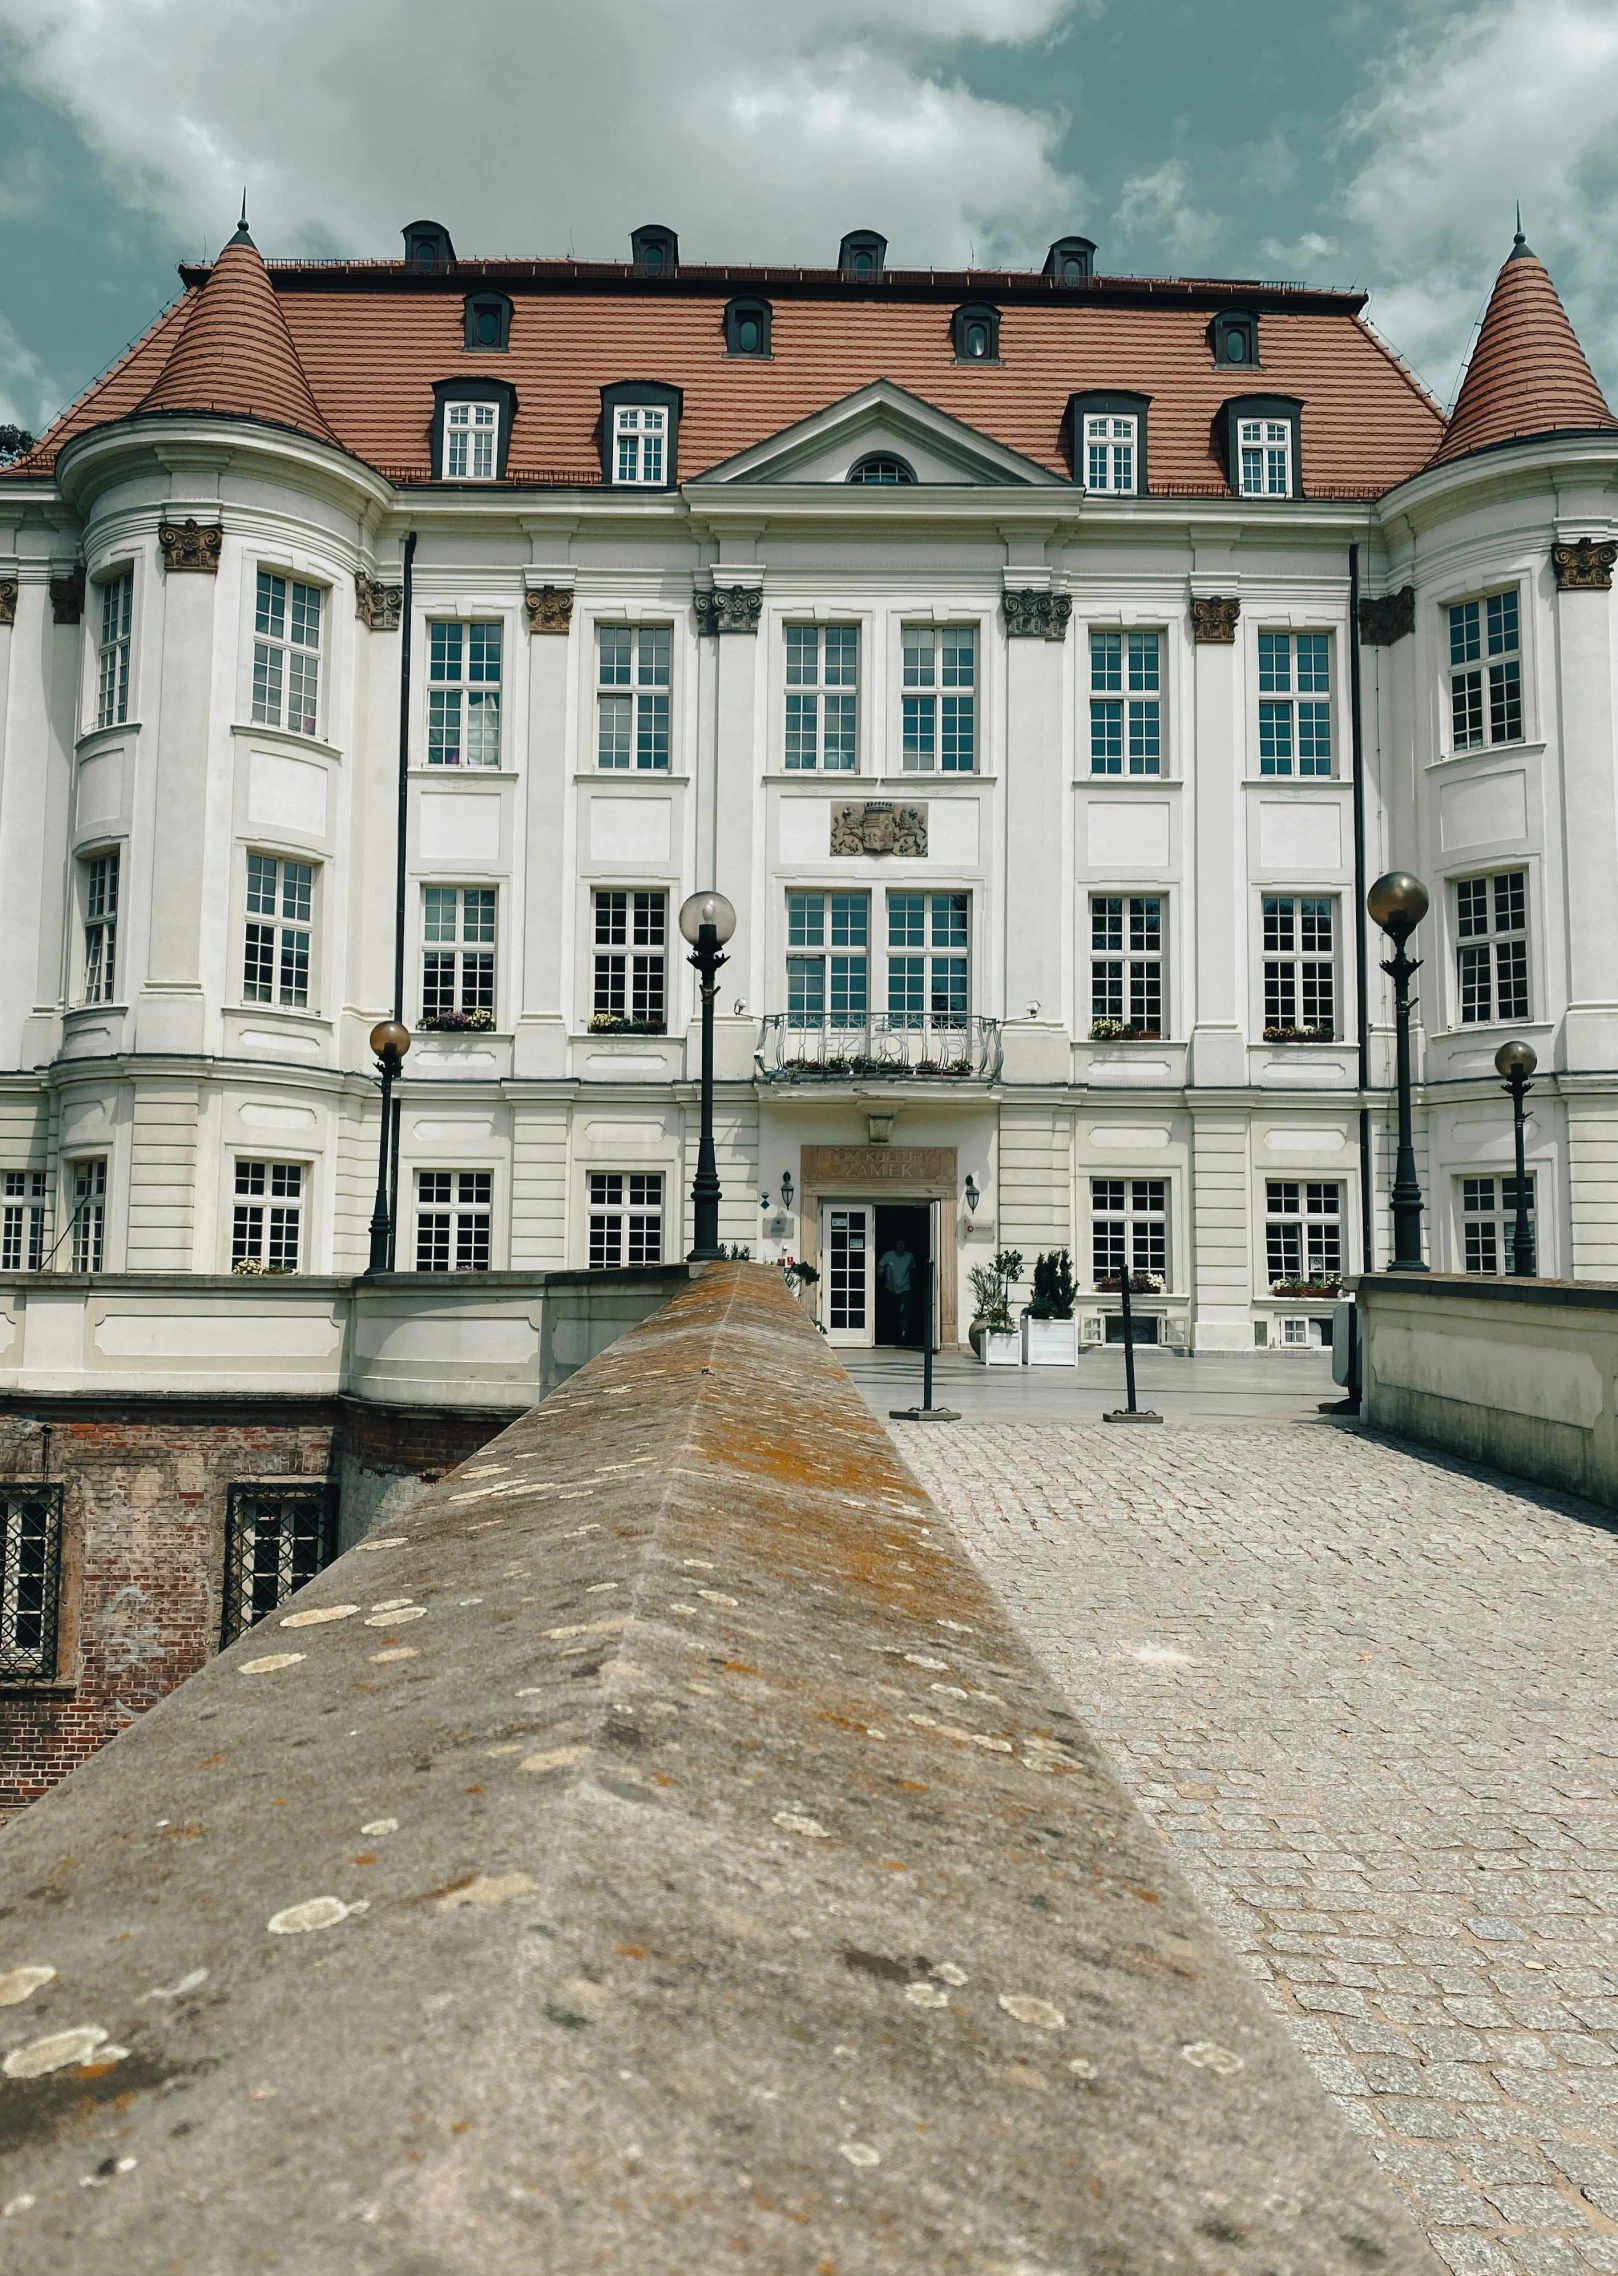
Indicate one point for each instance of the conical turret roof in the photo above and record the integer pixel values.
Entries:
(235, 353)
(1528, 375)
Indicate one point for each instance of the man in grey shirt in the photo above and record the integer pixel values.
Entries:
(896, 1270)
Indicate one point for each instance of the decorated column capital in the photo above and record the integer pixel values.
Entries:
(8, 600)
(1584, 564)
(1213, 620)
(1390, 618)
(728, 608)
(550, 609)
(1033, 613)
(377, 606)
(190, 545)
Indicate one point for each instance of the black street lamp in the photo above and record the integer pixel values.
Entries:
(1517, 1061)
(707, 921)
(1398, 902)
(390, 1040)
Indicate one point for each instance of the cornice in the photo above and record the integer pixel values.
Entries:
(171, 441)
(1502, 471)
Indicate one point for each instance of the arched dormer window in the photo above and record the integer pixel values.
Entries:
(654, 250)
(747, 328)
(640, 434)
(1071, 260)
(977, 333)
(862, 256)
(1235, 338)
(488, 320)
(882, 466)
(1260, 439)
(472, 420)
(427, 246)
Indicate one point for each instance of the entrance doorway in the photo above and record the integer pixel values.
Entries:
(903, 1233)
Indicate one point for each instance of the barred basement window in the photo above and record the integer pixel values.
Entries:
(1300, 992)
(22, 1224)
(1294, 712)
(276, 1538)
(280, 901)
(1485, 672)
(1120, 722)
(286, 653)
(631, 934)
(463, 695)
(1126, 965)
(30, 1572)
(266, 1224)
(1489, 1224)
(626, 1218)
(1491, 926)
(89, 1213)
(457, 964)
(823, 668)
(634, 728)
(452, 1220)
(101, 929)
(939, 726)
(112, 659)
(1303, 1229)
(1129, 1217)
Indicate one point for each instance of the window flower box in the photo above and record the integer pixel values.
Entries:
(1049, 1343)
(1299, 1035)
(1120, 1031)
(1140, 1283)
(456, 1023)
(612, 1023)
(1318, 1284)
(1002, 1347)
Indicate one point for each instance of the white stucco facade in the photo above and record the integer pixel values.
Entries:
(177, 1077)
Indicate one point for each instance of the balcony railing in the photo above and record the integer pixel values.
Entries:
(886, 1047)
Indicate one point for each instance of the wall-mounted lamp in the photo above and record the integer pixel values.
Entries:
(973, 1196)
(1033, 1008)
(787, 1189)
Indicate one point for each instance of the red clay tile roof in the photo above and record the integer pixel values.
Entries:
(1527, 375)
(350, 350)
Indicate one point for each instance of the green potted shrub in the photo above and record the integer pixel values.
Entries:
(993, 1334)
(1050, 1333)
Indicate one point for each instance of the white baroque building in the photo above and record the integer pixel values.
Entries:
(1042, 664)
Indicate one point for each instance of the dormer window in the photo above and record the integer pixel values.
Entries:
(882, 467)
(427, 246)
(1107, 436)
(1071, 260)
(862, 256)
(747, 328)
(977, 334)
(1261, 442)
(654, 250)
(640, 425)
(488, 320)
(1235, 337)
(472, 429)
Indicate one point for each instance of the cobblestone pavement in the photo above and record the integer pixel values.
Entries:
(1368, 1697)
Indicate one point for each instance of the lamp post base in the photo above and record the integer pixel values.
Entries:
(1132, 1414)
(923, 1414)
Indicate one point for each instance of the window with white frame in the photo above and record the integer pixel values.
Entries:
(828, 959)
(1303, 1231)
(22, 1221)
(927, 959)
(457, 961)
(626, 1218)
(1129, 1219)
(112, 653)
(1485, 672)
(1300, 968)
(1126, 965)
(940, 678)
(1109, 453)
(640, 444)
(280, 917)
(1126, 716)
(101, 873)
(1491, 946)
(822, 719)
(266, 1225)
(1264, 449)
(1294, 708)
(89, 1212)
(286, 653)
(633, 663)
(1489, 1224)
(471, 441)
(631, 949)
(453, 1210)
(463, 693)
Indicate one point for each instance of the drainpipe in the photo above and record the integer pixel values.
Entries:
(399, 876)
(1362, 996)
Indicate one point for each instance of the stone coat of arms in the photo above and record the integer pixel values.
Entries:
(879, 827)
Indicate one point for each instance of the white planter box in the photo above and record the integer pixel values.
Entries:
(1002, 1350)
(1050, 1343)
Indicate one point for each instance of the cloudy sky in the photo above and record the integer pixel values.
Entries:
(1370, 142)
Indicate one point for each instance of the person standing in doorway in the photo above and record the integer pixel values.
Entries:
(896, 1269)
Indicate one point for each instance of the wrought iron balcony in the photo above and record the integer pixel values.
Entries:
(886, 1047)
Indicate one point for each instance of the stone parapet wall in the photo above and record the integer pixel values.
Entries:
(683, 1865)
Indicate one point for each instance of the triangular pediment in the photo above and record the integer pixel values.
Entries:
(885, 420)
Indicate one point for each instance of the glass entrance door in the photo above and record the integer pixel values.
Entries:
(846, 1246)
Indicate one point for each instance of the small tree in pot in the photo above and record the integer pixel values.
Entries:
(1050, 1332)
(993, 1333)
